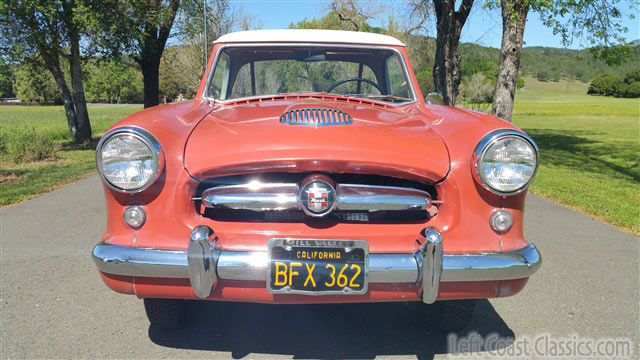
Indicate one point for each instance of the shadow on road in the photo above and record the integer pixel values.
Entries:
(355, 331)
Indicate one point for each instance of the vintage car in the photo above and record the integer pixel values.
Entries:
(309, 169)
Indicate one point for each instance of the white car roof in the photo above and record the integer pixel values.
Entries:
(309, 36)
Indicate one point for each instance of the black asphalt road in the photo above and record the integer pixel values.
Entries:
(54, 305)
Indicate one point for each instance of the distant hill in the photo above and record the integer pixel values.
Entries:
(553, 64)
(542, 63)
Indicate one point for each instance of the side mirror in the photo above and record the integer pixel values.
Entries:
(434, 98)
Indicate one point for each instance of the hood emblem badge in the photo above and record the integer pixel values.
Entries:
(317, 197)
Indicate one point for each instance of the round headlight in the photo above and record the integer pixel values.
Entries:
(506, 161)
(129, 159)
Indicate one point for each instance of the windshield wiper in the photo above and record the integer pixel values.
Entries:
(303, 92)
(388, 97)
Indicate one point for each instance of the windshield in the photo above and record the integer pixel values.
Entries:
(378, 74)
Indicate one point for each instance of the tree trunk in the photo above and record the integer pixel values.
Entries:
(84, 126)
(152, 46)
(151, 79)
(446, 69)
(514, 19)
(69, 107)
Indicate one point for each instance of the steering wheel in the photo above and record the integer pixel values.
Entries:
(338, 83)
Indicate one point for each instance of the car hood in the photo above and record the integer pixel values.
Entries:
(249, 138)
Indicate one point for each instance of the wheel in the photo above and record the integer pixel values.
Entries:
(166, 313)
(449, 315)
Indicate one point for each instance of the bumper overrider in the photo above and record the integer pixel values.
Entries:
(204, 264)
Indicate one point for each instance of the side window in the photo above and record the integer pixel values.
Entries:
(219, 83)
(397, 80)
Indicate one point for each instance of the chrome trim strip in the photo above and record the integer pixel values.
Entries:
(120, 260)
(383, 268)
(373, 198)
(392, 268)
(263, 197)
(253, 196)
(492, 266)
(236, 265)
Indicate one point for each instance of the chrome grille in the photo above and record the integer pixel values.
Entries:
(316, 117)
(274, 197)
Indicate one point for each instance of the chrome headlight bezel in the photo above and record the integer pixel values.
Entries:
(142, 135)
(485, 144)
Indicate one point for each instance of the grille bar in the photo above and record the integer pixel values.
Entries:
(284, 196)
(316, 117)
(253, 196)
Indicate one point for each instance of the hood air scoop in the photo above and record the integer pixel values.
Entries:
(316, 117)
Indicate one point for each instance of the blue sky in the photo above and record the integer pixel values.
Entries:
(483, 27)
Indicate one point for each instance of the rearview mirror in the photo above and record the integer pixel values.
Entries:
(315, 55)
(433, 98)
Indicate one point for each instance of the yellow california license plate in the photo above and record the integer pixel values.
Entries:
(317, 267)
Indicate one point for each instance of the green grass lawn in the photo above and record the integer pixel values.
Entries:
(589, 149)
(23, 181)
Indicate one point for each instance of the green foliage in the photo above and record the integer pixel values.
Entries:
(633, 90)
(473, 65)
(604, 85)
(477, 89)
(180, 72)
(34, 83)
(6, 79)
(425, 81)
(632, 76)
(618, 86)
(113, 82)
(26, 144)
(546, 64)
(332, 21)
(542, 75)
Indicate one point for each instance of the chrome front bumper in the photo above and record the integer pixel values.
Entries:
(204, 265)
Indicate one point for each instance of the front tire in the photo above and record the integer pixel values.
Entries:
(166, 313)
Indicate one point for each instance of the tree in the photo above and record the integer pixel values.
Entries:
(477, 89)
(351, 15)
(33, 83)
(184, 63)
(618, 86)
(113, 82)
(42, 32)
(449, 23)
(354, 13)
(180, 71)
(633, 90)
(597, 21)
(6, 79)
(514, 18)
(142, 28)
(632, 76)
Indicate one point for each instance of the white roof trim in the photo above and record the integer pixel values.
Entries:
(309, 36)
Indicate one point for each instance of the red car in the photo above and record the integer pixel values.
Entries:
(310, 169)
